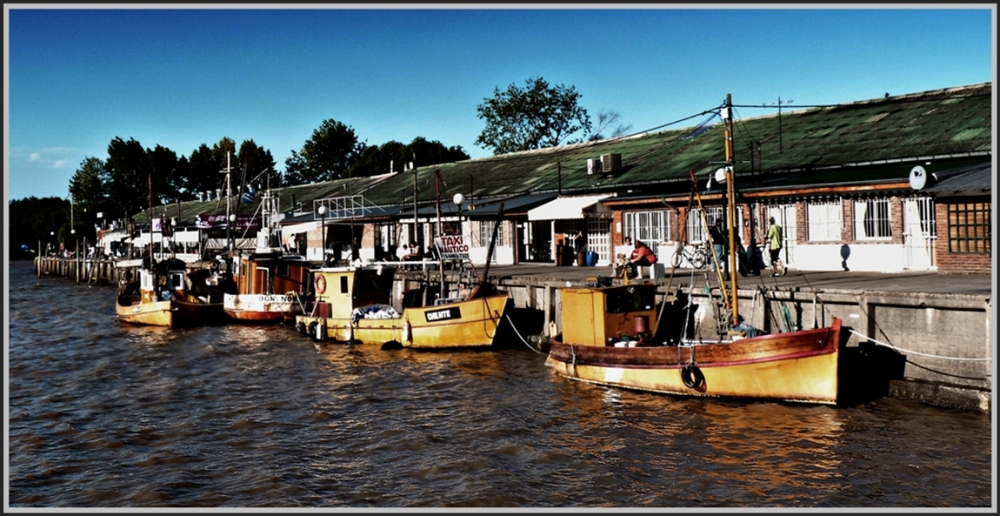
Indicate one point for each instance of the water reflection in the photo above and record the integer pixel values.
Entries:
(103, 415)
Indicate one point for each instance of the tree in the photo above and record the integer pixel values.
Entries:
(166, 180)
(604, 121)
(257, 166)
(202, 173)
(326, 156)
(532, 118)
(128, 167)
(88, 188)
(376, 159)
(35, 221)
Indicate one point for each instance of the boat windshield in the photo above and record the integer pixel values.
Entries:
(632, 299)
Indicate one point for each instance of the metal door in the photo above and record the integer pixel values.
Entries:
(599, 239)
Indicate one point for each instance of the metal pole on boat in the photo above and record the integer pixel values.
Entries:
(322, 232)
(437, 202)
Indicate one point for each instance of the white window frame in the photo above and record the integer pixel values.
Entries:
(872, 219)
(824, 220)
(486, 232)
(649, 226)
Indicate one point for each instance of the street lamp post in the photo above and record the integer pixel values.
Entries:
(322, 233)
(173, 237)
(231, 236)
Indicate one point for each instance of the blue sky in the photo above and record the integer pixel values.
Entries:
(78, 78)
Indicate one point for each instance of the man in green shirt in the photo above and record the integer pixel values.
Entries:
(774, 245)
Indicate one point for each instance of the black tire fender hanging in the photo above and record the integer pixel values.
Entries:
(692, 376)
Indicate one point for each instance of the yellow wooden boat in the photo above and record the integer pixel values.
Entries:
(352, 304)
(161, 297)
(610, 342)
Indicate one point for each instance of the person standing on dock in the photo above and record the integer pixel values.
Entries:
(774, 240)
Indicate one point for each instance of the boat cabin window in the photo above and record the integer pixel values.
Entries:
(343, 285)
(283, 269)
(621, 300)
(367, 281)
(177, 280)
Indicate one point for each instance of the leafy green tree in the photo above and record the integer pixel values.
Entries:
(88, 188)
(375, 159)
(257, 166)
(203, 172)
(128, 167)
(604, 121)
(537, 116)
(35, 221)
(165, 174)
(325, 156)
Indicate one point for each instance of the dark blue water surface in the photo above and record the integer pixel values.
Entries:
(105, 415)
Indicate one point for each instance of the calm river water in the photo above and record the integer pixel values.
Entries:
(104, 415)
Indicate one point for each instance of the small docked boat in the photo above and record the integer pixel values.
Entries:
(353, 304)
(611, 343)
(270, 287)
(613, 340)
(162, 296)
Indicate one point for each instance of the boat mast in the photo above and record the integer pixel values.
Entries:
(730, 194)
(149, 198)
(437, 202)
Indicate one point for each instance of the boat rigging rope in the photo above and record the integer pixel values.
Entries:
(540, 352)
(890, 346)
(911, 352)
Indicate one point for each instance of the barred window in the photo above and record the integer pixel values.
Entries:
(695, 229)
(871, 219)
(486, 232)
(969, 230)
(825, 220)
(648, 226)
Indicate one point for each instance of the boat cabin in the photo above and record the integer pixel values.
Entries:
(270, 273)
(166, 280)
(339, 290)
(602, 316)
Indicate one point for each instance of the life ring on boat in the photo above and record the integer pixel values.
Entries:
(692, 376)
(320, 284)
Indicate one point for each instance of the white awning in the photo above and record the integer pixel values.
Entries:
(564, 208)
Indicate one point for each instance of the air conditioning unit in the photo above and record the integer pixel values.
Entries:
(593, 166)
(611, 163)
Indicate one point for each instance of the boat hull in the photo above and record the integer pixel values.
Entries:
(463, 324)
(260, 308)
(132, 311)
(796, 367)
(171, 313)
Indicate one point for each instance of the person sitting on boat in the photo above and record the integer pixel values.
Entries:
(641, 256)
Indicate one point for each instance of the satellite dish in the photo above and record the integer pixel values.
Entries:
(720, 176)
(920, 178)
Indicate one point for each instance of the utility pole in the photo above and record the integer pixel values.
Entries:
(416, 236)
(730, 193)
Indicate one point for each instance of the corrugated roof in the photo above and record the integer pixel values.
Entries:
(972, 180)
(815, 146)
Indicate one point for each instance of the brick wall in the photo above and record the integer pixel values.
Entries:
(961, 263)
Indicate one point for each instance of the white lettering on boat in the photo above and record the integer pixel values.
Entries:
(442, 315)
